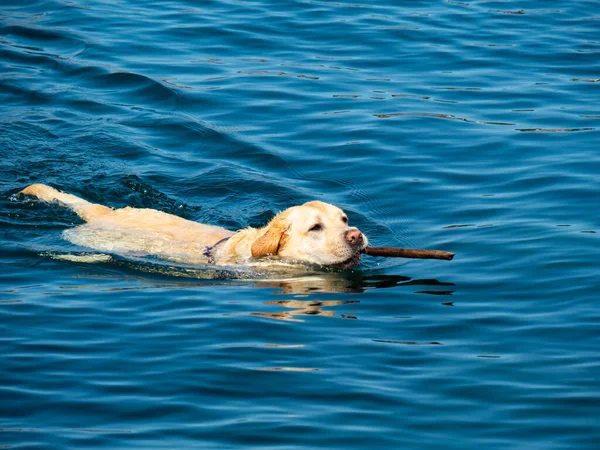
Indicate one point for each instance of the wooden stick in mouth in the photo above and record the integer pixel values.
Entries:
(408, 253)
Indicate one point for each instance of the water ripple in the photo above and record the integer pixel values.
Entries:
(468, 126)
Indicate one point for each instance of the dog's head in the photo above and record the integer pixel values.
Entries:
(316, 233)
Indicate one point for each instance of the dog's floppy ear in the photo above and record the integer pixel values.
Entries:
(274, 238)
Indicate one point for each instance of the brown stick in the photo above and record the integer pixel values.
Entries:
(408, 253)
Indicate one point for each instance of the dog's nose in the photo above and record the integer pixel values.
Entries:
(353, 237)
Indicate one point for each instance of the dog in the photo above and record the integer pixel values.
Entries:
(313, 233)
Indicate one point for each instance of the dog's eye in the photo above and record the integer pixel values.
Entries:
(345, 219)
(316, 227)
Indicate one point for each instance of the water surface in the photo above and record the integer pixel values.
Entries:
(470, 127)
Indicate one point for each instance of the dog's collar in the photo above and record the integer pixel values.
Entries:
(209, 249)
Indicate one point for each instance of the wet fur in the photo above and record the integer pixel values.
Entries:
(287, 235)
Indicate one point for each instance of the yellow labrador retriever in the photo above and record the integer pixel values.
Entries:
(315, 233)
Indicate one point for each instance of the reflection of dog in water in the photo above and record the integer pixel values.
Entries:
(304, 308)
(354, 283)
(315, 233)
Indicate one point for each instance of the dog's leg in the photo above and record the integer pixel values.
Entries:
(83, 208)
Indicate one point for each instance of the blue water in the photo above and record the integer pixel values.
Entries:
(466, 126)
